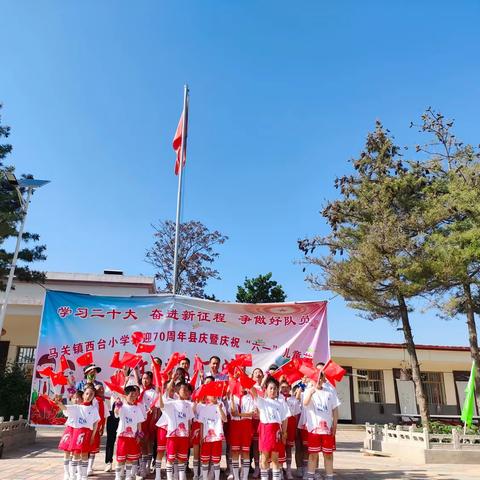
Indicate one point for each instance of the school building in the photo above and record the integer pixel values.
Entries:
(378, 388)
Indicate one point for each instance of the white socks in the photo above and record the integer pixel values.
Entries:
(245, 469)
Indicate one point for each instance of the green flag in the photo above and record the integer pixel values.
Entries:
(469, 403)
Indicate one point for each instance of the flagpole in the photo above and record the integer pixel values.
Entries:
(179, 191)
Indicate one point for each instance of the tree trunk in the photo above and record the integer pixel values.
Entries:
(472, 333)
(417, 379)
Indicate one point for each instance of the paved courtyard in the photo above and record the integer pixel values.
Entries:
(42, 461)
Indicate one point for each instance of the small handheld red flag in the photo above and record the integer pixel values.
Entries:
(173, 361)
(137, 337)
(130, 360)
(235, 387)
(244, 359)
(145, 348)
(118, 378)
(333, 372)
(115, 388)
(245, 381)
(115, 362)
(212, 389)
(290, 371)
(198, 363)
(157, 373)
(310, 372)
(85, 359)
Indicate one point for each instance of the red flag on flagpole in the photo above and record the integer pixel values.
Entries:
(180, 139)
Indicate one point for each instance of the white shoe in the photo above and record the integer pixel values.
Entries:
(230, 476)
(89, 473)
(108, 467)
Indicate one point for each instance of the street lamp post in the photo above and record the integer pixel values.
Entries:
(30, 185)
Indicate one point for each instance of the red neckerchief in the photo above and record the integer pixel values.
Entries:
(140, 398)
(87, 403)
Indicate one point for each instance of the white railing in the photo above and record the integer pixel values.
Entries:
(421, 438)
(15, 432)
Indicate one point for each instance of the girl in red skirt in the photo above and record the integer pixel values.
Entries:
(272, 431)
(129, 433)
(66, 440)
(294, 408)
(104, 413)
(211, 417)
(147, 398)
(241, 433)
(84, 419)
(257, 375)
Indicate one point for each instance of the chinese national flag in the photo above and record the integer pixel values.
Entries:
(311, 372)
(245, 381)
(333, 372)
(173, 361)
(177, 143)
(59, 378)
(145, 348)
(115, 362)
(85, 359)
(235, 387)
(158, 378)
(193, 380)
(290, 370)
(118, 378)
(244, 359)
(130, 360)
(212, 389)
(198, 364)
(115, 388)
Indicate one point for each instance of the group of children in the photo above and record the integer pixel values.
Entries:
(264, 423)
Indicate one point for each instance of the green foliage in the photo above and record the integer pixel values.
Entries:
(14, 391)
(261, 289)
(196, 254)
(10, 215)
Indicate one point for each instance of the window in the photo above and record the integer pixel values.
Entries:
(26, 358)
(434, 387)
(370, 389)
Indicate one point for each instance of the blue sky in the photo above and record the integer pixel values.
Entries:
(283, 94)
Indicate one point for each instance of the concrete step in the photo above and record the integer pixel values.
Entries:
(351, 426)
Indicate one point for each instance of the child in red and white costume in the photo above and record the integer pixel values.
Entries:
(294, 408)
(272, 430)
(321, 417)
(241, 433)
(178, 413)
(211, 417)
(148, 395)
(66, 440)
(129, 433)
(84, 418)
(257, 375)
(99, 401)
